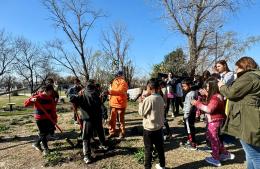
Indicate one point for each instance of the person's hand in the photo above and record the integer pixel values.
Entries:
(203, 92)
(193, 102)
(220, 84)
(33, 99)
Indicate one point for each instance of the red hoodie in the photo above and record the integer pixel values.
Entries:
(47, 102)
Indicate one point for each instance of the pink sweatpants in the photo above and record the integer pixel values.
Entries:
(213, 136)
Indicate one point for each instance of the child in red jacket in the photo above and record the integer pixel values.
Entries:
(215, 112)
(44, 124)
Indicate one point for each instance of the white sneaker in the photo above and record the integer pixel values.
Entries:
(225, 157)
(212, 161)
(45, 152)
(87, 160)
(157, 166)
(102, 147)
(37, 147)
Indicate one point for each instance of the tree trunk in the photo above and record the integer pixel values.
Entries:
(86, 74)
(193, 55)
(31, 83)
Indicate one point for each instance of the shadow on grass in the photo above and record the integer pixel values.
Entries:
(193, 165)
(202, 163)
(113, 150)
(33, 138)
(131, 112)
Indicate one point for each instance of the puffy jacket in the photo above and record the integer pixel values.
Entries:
(118, 93)
(215, 109)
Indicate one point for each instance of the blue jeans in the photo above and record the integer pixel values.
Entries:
(252, 155)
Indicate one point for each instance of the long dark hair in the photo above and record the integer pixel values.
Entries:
(213, 87)
(223, 63)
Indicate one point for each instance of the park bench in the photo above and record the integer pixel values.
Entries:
(11, 106)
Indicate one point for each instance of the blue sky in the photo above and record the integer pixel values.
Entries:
(151, 38)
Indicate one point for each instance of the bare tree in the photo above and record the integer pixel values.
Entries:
(197, 20)
(7, 52)
(229, 47)
(95, 61)
(116, 45)
(30, 63)
(75, 18)
(57, 52)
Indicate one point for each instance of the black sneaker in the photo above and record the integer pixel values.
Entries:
(37, 147)
(88, 160)
(154, 154)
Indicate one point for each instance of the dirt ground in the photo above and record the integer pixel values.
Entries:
(20, 132)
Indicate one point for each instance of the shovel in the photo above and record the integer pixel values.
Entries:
(53, 122)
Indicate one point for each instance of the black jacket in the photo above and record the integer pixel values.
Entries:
(89, 103)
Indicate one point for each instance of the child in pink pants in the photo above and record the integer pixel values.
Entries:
(215, 112)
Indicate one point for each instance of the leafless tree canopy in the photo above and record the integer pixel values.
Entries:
(229, 47)
(115, 44)
(198, 20)
(7, 52)
(30, 63)
(75, 18)
(57, 52)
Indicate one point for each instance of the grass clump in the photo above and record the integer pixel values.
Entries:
(139, 155)
(4, 127)
(20, 121)
(53, 158)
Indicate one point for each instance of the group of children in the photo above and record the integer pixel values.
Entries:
(153, 107)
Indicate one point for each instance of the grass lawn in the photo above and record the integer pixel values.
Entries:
(18, 131)
(18, 100)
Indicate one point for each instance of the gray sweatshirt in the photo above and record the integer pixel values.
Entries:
(152, 110)
(187, 106)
